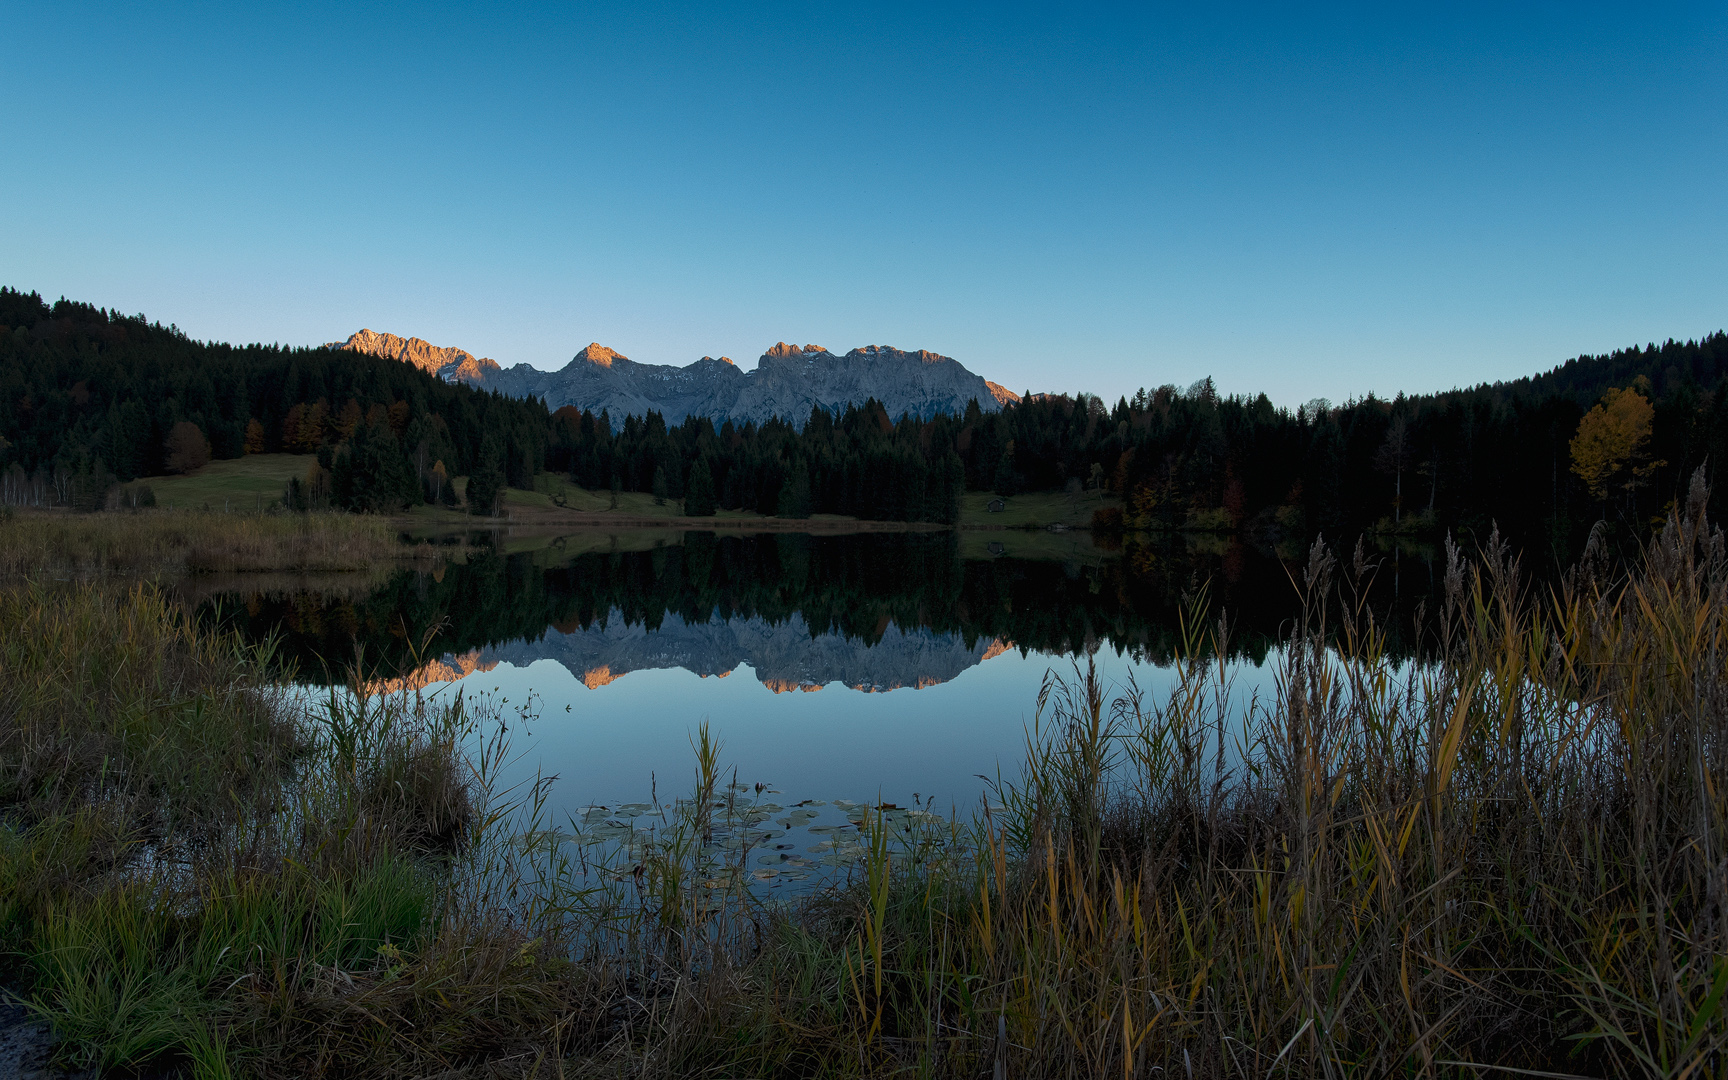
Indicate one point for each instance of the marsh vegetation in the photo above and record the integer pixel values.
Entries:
(1509, 855)
(198, 542)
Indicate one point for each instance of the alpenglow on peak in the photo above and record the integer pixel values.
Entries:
(788, 381)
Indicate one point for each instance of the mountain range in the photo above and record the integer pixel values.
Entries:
(788, 381)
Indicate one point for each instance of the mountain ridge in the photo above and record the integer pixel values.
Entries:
(445, 361)
(789, 380)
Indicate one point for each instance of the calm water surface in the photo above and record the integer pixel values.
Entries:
(859, 667)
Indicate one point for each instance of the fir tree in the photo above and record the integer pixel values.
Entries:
(699, 496)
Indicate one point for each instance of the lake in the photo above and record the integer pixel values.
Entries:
(875, 667)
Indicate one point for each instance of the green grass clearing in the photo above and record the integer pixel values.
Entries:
(1033, 510)
(243, 483)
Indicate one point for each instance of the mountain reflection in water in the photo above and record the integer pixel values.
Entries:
(625, 651)
(784, 656)
(873, 612)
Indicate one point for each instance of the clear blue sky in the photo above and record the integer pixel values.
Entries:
(1307, 204)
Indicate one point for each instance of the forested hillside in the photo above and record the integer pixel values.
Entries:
(89, 398)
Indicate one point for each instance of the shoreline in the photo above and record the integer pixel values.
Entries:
(608, 520)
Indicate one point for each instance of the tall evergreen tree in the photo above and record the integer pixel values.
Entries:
(486, 483)
(699, 494)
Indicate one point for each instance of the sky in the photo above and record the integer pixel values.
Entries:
(1309, 202)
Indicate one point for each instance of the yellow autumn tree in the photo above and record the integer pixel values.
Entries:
(1611, 448)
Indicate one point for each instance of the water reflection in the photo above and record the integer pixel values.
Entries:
(724, 601)
(932, 650)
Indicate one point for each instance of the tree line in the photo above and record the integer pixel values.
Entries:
(93, 398)
(860, 463)
(1607, 437)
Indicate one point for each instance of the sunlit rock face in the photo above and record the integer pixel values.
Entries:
(785, 657)
(447, 362)
(788, 381)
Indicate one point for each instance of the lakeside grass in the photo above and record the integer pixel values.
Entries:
(1032, 510)
(1510, 857)
(194, 541)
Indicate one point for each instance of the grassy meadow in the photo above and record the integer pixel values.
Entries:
(245, 483)
(1032, 510)
(1511, 859)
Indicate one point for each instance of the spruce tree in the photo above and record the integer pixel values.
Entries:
(486, 483)
(794, 500)
(699, 496)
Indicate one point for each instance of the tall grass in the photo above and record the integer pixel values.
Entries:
(1505, 860)
(173, 541)
(200, 870)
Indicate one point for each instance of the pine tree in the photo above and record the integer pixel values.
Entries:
(486, 483)
(699, 497)
(794, 500)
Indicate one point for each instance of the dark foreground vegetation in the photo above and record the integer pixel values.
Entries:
(90, 400)
(1512, 856)
(175, 542)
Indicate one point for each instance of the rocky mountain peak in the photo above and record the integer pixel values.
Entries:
(781, 349)
(599, 355)
(889, 352)
(446, 362)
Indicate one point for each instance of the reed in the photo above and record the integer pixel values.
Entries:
(1508, 857)
(202, 870)
(1505, 859)
(191, 541)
